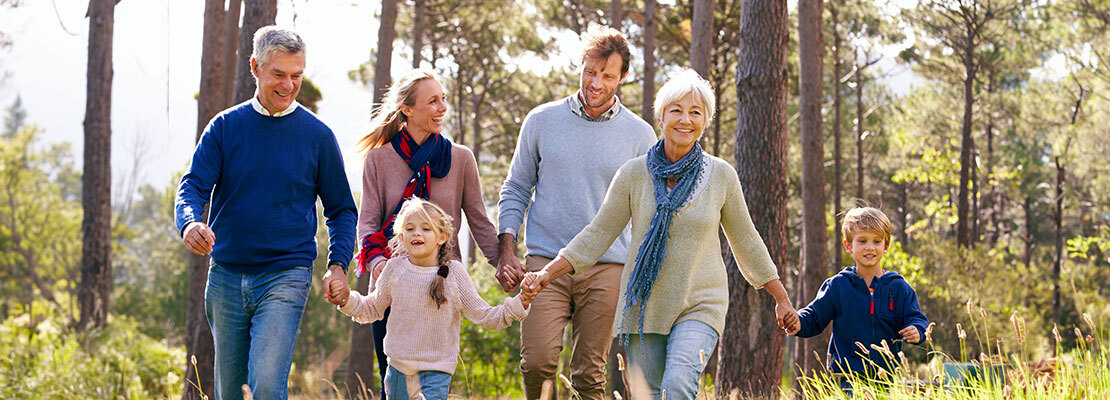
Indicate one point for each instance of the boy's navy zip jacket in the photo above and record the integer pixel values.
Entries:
(860, 315)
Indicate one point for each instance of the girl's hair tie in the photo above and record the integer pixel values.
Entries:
(443, 271)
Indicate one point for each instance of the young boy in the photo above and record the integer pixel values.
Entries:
(865, 303)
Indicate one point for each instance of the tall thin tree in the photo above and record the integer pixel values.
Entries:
(750, 352)
(701, 36)
(256, 14)
(419, 11)
(231, 34)
(814, 239)
(96, 190)
(837, 80)
(360, 370)
(212, 97)
(647, 110)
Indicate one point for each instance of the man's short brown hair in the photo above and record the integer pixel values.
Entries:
(601, 41)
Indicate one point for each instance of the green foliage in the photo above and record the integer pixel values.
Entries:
(489, 364)
(41, 359)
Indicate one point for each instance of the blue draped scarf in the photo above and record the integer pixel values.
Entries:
(654, 248)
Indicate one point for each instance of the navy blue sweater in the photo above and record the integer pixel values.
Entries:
(262, 175)
(859, 316)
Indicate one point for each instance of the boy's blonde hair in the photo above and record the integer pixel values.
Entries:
(441, 224)
(866, 219)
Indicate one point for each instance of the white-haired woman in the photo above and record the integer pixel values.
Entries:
(406, 156)
(675, 295)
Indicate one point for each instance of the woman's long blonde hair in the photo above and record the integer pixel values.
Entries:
(388, 119)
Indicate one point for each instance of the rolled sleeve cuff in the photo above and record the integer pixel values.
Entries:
(509, 230)
(516, 308)
(760, 281)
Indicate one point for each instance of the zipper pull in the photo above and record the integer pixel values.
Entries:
(891, 301)
(872, 307)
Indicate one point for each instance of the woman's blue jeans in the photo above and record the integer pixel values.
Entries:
(254, 320)
(673, 362)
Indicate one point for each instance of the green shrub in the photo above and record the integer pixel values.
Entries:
(42, 360)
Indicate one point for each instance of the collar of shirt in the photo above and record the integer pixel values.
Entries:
(579, 109)
(262, 110)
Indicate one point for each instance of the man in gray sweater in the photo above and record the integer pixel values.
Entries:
(567, 154)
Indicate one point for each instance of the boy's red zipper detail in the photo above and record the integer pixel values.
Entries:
(892, 306)
(872, 307)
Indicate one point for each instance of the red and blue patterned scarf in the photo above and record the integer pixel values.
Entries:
(432, 159)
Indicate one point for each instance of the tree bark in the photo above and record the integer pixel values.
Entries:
(360, 362)
(231, 33)
(814, 237)
(215, 81)
(750, 352)
(647, 111)
(701, 37)
(859, 129)
(96, 194)
(256, 14)
(963, 211)
(1058, 259)
(838, 175)
(616, 14)
(417, 32)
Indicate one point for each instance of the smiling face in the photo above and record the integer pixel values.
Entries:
(867, 248)
(600, 78)
(421, 240)
(682, 125)
(279, 80)
(425, 115)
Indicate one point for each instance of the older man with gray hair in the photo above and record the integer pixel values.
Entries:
(261, 165)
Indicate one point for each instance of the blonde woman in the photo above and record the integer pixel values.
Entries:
(407, 156)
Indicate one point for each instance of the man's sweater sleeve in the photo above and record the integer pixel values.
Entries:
(516, 192)
(339, 205)
(195, 189)
(817, 315)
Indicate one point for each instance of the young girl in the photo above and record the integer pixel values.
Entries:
(427, 293)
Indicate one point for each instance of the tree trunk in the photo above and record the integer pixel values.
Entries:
(649, 63)
(1058, 259)
(903, 214)
(963, 211)
(701, 37)
(417, 32)
(231, 33)
(616, 14)
(838, 177)
(256, 14)
(360, 362)
(814, 236)
(750, 352)
(96, 194)
(1027, 255)
(211, 99)
(859, 129)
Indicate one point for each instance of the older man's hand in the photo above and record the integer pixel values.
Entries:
(335, 285)
(198, 238)
(509, 269)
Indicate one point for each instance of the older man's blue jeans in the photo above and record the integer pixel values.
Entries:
(254, 320)
(673, 362)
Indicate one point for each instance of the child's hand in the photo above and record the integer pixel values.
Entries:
(341, 292)
(786, 316)
(526, 297)
(792, 323)
(910, 334)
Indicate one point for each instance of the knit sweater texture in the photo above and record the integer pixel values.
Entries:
(692, 282)
(262, 176)
(561, 168)
(385, 174)
(421, 336)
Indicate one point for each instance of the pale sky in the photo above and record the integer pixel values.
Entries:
(157, 72)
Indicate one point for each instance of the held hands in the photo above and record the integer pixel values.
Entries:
(787, 318)
(910, 334)
(534, 282)
(198, 238)
(509, 269)
(336, 288)
(376, 270)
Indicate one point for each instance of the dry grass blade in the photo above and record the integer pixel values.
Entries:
(569, 386)
(545, 390)
(247, 393)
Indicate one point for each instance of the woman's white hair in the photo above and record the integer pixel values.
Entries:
(686, 81)
(270, 38)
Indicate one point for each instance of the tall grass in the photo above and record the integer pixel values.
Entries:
(1004, 370)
